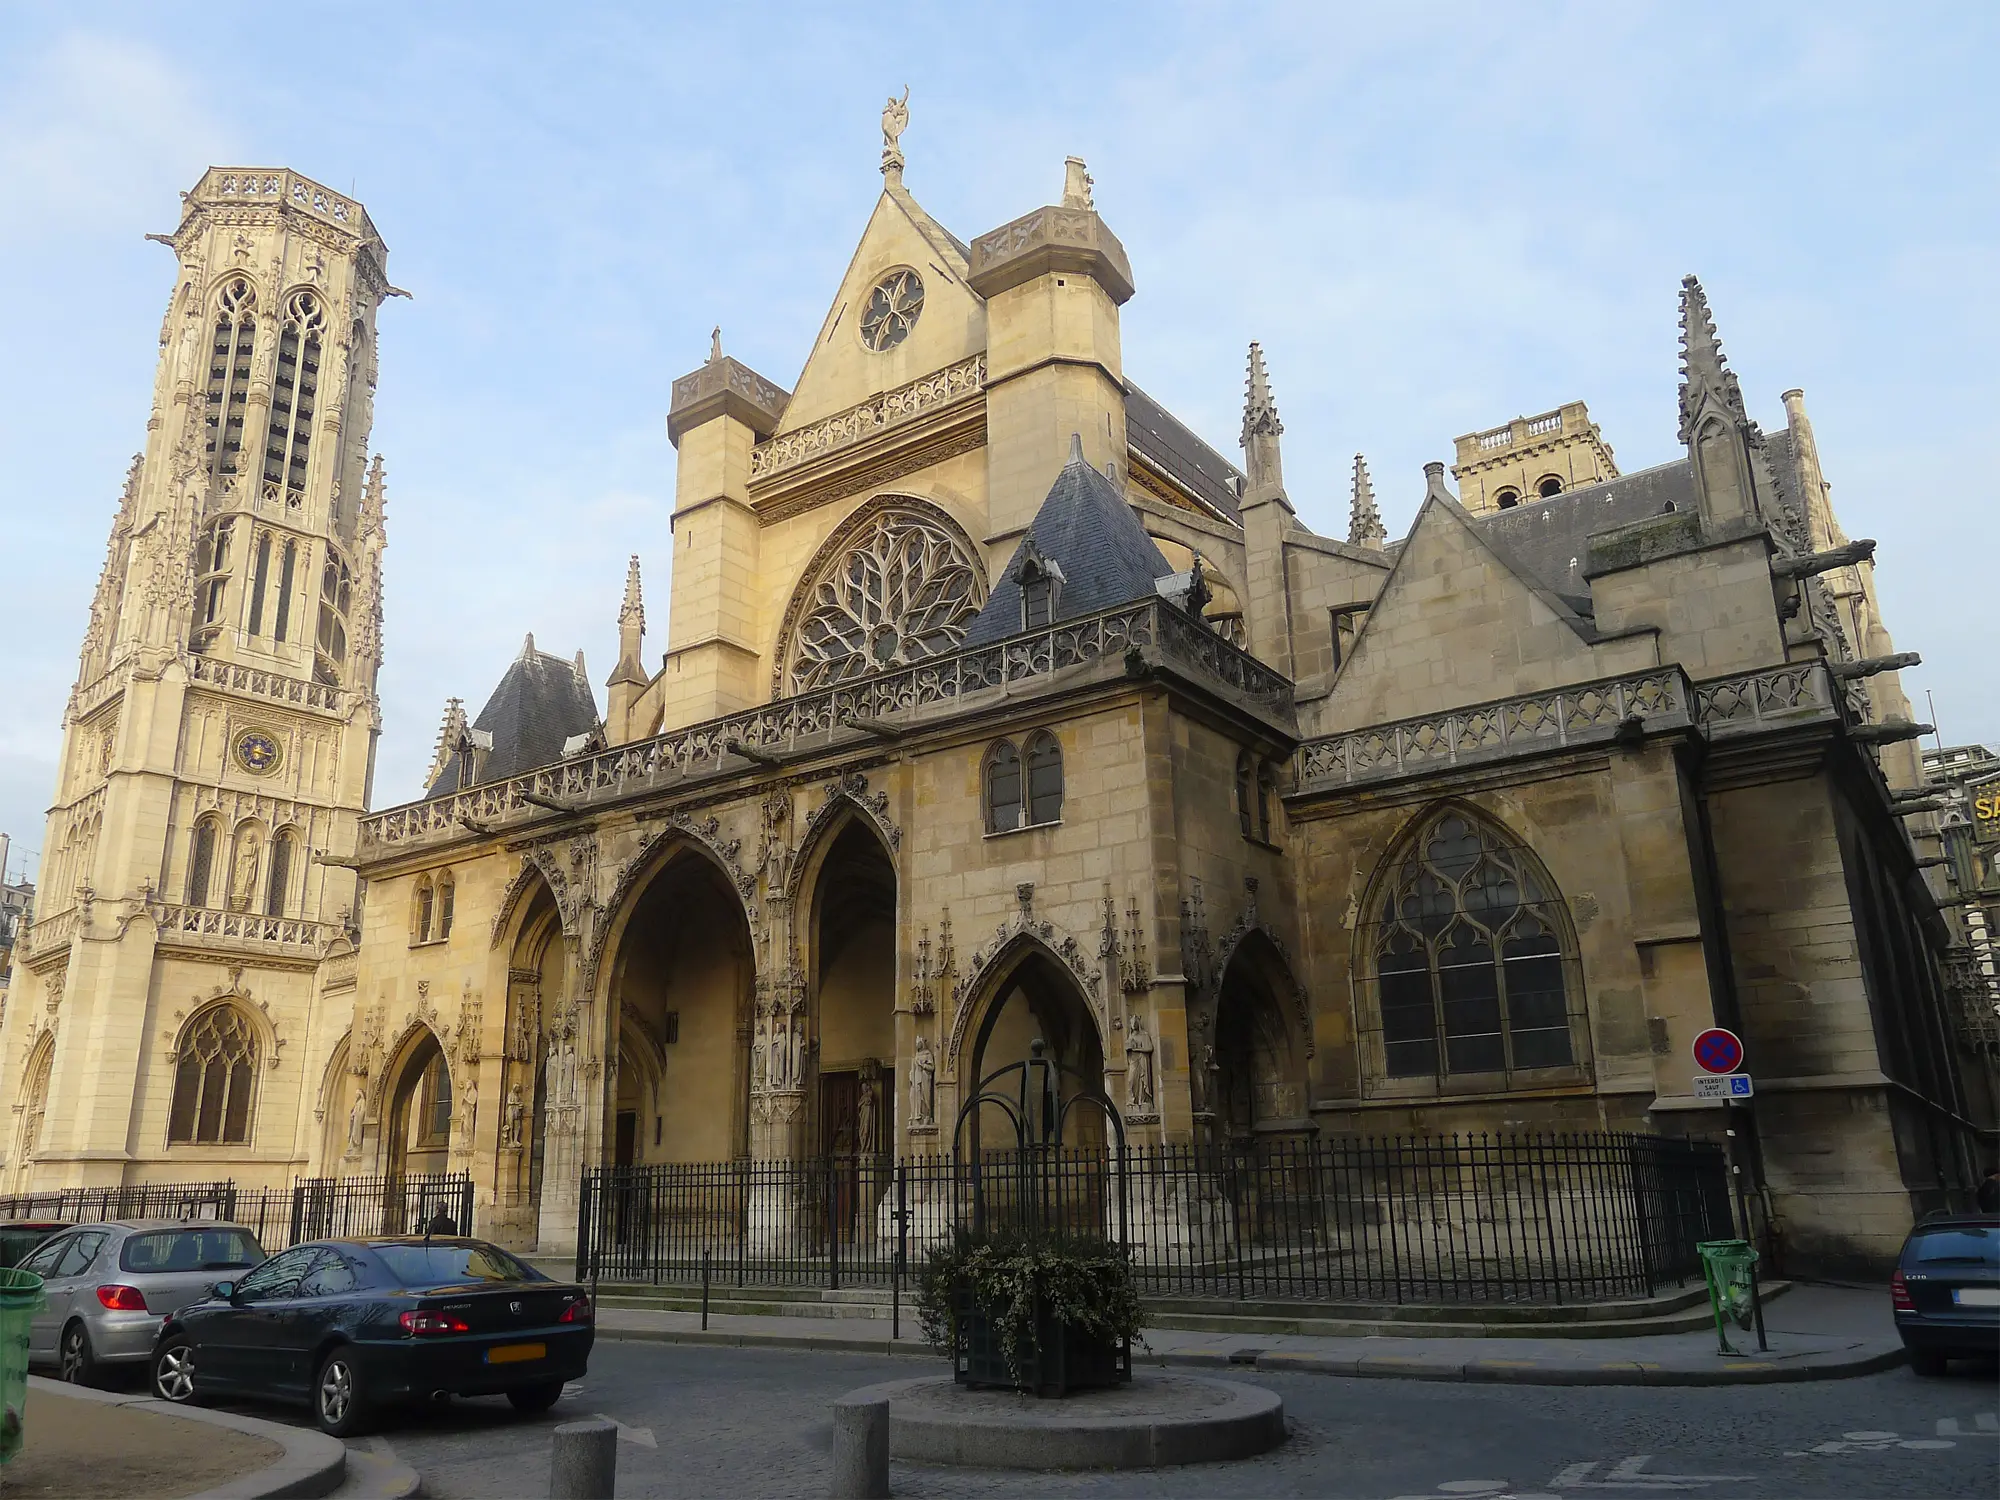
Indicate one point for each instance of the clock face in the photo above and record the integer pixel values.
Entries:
(257, 752)
(893, 309)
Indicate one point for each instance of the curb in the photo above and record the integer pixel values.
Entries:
(1866, 1361)
(312, 1465)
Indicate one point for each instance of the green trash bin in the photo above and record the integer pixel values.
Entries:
(20, 1299)
(1729, 1266)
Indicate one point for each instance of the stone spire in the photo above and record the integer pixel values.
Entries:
(1706, 379)
(450, 733)
(1364, 521)
(633, 611)
(1261, 429)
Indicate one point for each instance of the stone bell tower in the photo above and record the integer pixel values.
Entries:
(219, 742)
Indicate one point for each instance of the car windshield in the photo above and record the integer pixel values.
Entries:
(451, 1265)
(1967, 1245)
(191, 1250)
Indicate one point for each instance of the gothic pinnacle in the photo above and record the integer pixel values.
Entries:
(1704, 371)
(633, 610)
(1364, 521)
(1260, 412)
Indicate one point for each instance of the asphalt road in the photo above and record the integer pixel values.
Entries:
(713, 1422)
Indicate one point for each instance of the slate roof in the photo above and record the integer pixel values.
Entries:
(1542, 537)
(1170, 445)
(541, 701)
(1089, 531)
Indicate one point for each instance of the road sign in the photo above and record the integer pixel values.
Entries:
(1718, 1051)
(1723, 1086)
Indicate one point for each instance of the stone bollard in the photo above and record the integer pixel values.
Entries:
(583, 1465)
(860, 1450)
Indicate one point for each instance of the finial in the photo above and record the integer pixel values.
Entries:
(1260, 412)
(528, 646)
(895, 120)
(582, 672)
(1076, 449)
(715, 343)
(633, 610)
(1076, 184)
(1364, 521)
(1434, 487)
(1704, 372)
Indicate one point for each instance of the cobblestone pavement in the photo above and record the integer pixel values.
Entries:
(704, 1421)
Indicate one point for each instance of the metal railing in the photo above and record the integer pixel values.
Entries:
(311, 1208)
(1464, 1219)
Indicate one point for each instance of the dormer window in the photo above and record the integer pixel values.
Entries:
(1041, 581)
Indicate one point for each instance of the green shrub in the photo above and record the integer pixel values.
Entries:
(1085, 1284)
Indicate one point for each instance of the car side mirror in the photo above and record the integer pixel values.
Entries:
(226, 1290)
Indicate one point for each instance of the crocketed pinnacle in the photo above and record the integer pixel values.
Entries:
(633, 610)
(1260, 412)
(1364, 521)
(1705, 376)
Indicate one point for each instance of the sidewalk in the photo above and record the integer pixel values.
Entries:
(92, 1450)
(1815, 1333)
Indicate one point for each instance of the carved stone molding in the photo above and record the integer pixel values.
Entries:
(850, 790)
(1023, 927)
(1248, 922)
(680, 827)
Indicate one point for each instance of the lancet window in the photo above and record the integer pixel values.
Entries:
(281, 622)
(229, 365)
(1469, 960)
(423, 907)
(279, 880)
(294, 387)
(260, 575)
(1028, 780)
(211, 568)
(215, 1073)
(201, 861)
(336, 594)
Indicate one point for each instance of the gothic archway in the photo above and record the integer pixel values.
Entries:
(851, 962)
(1257, 1077)
(1028, 994)
(417, 1113)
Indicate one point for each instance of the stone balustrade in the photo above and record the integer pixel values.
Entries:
(1584, 714)
(209, 925)
(45, 934)
(807, 721)
(296, 692)
(891, 409)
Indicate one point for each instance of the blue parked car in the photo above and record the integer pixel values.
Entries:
(1946, 1291)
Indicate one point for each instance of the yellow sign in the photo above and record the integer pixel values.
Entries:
(1986, 813)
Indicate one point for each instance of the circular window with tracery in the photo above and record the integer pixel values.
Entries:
(893, 309)
(903, 588)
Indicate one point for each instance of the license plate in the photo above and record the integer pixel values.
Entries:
(1976, 1296)
(514, 1354)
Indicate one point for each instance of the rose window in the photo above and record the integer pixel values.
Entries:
(906, 589)
(892, 311)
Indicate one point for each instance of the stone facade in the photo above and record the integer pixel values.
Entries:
(998, 708)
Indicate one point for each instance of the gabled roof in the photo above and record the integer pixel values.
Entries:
(1548, 540)
(1086, 528)
(1170, 445)
(541, 701)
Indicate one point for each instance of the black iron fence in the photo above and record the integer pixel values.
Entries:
(311, 1208)
(1558, 1218)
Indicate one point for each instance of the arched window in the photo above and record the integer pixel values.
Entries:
(1041, 581)
(278, 885)
(421, 905)
(282, 624)
(447, 893)
(1045, 779)
(336, 592)
(211, 568)
(260, 574)
(1267, 796)
(1468, 957)
(434, 1105)
(201, 861)
(229, 374)
(1549, 486)
(294, 385)
(1246, 810)
(1003, 788)
(215, 1071)
(1507, 499)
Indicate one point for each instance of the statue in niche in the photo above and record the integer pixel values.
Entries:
(795, 1054)
(923, 1084)
(468, 1108)
(357, 1121)
(510, 1133)
(759, 1051)
(562, 1071)
(868, 1113)
(243, 873)
(1139, 1066)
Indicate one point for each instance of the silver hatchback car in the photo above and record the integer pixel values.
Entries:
(111, 1285)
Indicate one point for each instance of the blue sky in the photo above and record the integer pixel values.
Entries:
(1435, 216)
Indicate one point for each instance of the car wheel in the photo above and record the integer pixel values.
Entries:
(338, 1400)
(173, 1372)
(1925, 1363)
(78, 1359)
(536, 1398)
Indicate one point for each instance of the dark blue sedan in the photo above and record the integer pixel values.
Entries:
(1946, 1291)
(351, 1326)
